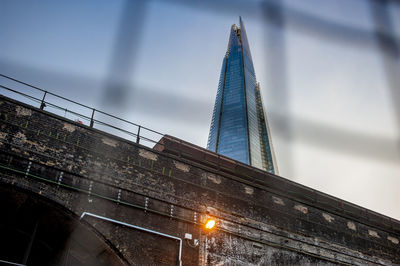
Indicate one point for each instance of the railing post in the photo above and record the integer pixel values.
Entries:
(138, 135)
(42, 104)
(91, 119)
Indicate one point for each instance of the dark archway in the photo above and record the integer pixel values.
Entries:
(35, 231)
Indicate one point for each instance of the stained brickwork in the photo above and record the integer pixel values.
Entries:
(261, 218)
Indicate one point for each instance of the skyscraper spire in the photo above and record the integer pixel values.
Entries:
(239, 128)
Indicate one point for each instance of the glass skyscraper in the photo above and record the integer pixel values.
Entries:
(239, 127)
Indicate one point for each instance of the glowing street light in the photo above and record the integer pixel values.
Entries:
(210, 224)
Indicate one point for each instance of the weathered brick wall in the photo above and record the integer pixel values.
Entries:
(262, 218)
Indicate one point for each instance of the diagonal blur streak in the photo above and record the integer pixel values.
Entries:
(124, 53)
(339, 140)
(390, 52)
(298, 20)
(277, 73)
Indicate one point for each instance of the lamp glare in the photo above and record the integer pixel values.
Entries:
(210, 224)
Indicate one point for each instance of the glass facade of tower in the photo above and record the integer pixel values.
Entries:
(238, 128)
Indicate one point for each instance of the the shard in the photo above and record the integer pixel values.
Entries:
(239, 127)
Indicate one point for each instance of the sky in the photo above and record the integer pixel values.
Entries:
(328, 89)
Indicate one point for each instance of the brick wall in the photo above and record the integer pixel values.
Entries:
(174, 187)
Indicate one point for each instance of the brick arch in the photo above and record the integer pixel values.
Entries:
(40, 231)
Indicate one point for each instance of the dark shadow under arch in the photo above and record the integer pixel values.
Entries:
(36, 231)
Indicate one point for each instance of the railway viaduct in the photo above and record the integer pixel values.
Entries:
(74, 195)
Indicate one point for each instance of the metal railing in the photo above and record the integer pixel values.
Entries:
(107, 122)
(82, 113)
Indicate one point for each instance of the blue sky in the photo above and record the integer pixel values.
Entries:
(328, 87)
